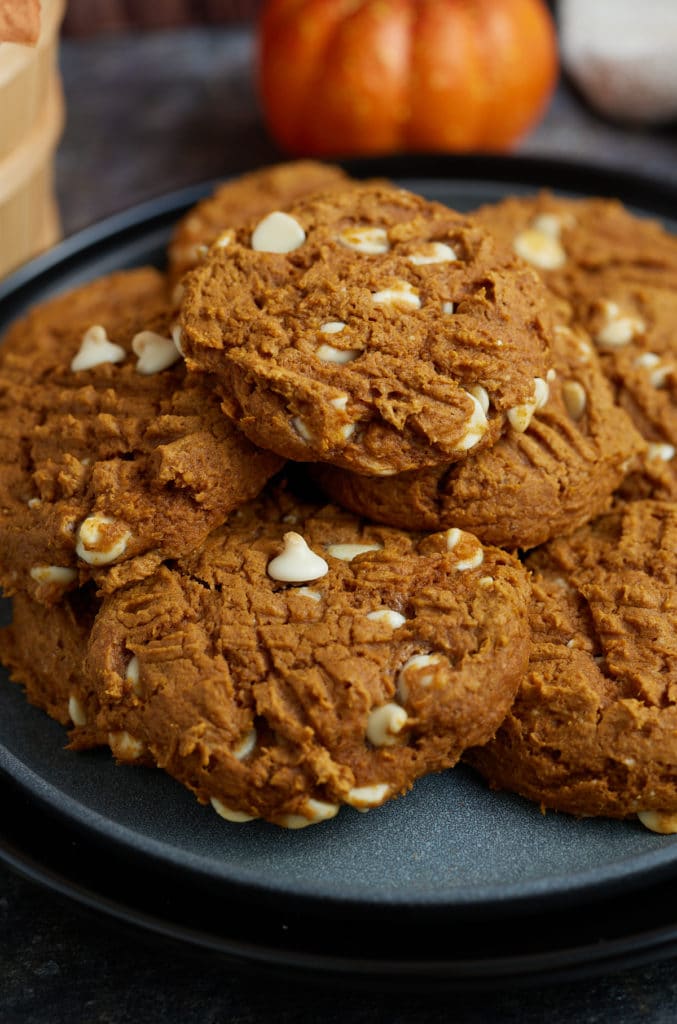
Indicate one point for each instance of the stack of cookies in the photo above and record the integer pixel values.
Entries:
(358, 488)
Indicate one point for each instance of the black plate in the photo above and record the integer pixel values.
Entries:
(362, 894)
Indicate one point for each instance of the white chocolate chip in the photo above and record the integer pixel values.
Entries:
(155, 352)
(662, 822)
(541, 392)
(348, 430)
(476, 427)
(520, 416)
(448, 307)
(278, 232)
(124, 746)
(417, 662)
(177, 338)
(312, 595)
(647, 360)
(364, 797)
(89, 539)
(661, 450)
(224, 239)
(387, 615)
(228, 812)
(453, 537)
(246, 746)
(329, 354)
(472, 562)
(333, 327)
(372, 241)
(346, 552)
(486, 581)
(296, 563)
(548, 224)
(96, 349)
(482, 396)
(659, 371)
(339, 403)
(402, 294)
(384, 724)
(433, 252)
(34, 502)
(178, 293)
(575, 398)
(301, 429)
(316, 811)
(540, 248)
(60, 574)
(551, 375)
(133, 676)
(618, 330)
(76, 710)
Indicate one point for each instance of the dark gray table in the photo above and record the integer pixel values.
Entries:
(147, 115)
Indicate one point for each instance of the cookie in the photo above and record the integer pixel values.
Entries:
(237, 200)
(533, 484)
(44, 649)
(111, 457)
(593, 730)
(619, 273)
(302, 660)
(367, 328)
(572, 241)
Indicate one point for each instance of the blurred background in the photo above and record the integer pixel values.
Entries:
(159, 95)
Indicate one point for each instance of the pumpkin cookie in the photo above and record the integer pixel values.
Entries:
(534, 484)
(43, 649)
(111, 457)
(302, 660)
(573, 241)
(619, 273)
(236, 201)
(593, 730)
(368, 328)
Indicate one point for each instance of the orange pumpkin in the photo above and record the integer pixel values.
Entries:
(354, 77)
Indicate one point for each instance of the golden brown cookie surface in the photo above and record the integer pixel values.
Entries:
(303, 659)
(43, 650)
(111, 458)
(367, 328)
(619, 273)
(593, 730)
(531, 485)
(235, 201)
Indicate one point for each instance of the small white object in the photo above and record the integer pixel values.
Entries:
(482, 396)
(401, 294)
(133, 675)
(76, 710)
(312, 595)
(245, 748)
(316, 811)
(540, 249)
(96, 349)
(659, 821)
(329, 354)
(89, 537)
(434, 252)
(476, 427)
(278, 232)
(177, 338)
(296, 563)
(387, 615)
(520, 416)
(333, 327)
(364, 797)
(228, 812)
(541, 392)
(447, 308)
(385, 723)
(346, 552)
(301, 428)
(124, 746)
(155, 352)
(575, 398)
(619, 331)
(59, 574)
(661, 450)
(418, 661)
(364, 239)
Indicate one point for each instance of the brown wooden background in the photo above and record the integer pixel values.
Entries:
(85, 17)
